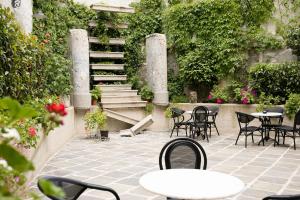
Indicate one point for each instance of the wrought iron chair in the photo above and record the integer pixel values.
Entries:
(178, 121)
(182, 153)
(273, 122)
(212, 115)
(289, 131)
(244, 120)
(283, 197)
(73, 188)
(199, 122)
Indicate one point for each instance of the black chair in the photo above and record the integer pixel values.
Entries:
(244, 120)
(178, 121)
(289, 131)
(283, 197)
(182, 153)
(199, 122)
(212, 115)
(273, 122)
(73, 188)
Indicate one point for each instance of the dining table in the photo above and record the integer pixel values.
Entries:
(191, 184)
(264, 117)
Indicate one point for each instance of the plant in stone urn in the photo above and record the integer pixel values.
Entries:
(95, 121)
(96, 95)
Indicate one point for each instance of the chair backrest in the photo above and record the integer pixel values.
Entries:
(177, 115)
(182, 153)
(73, 188)
(244, 118)
(283, 197)
(275, 109)
(297, 120)
(200, 114)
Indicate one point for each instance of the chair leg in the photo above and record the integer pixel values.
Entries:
(210, 130)
(172, 131)
(237, 138)
(186, 130)
(252, 138)
(294, 138)
(177, 129)
(284, 133)
(216, 129)
(275, 138)
(262, 137)
(246, 140)
(205, 132)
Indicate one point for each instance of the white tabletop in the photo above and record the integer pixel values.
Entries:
(191, 112)
(267, 114)
(191, 184)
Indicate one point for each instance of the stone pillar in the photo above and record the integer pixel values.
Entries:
(23, 15)
(79, 46)
(156, 59)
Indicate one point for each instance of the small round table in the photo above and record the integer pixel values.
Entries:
(191, 184)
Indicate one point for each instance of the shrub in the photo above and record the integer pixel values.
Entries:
(292, 105)
(266, 101)
(218, 95)
(179, 99)
(293, 38)
(278, 80)
(146, 93)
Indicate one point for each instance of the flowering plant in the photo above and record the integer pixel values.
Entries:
(245, 95)
(217, 95)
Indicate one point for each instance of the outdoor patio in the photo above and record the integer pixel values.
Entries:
(120, 162)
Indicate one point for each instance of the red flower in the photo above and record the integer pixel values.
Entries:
(245, 100)
(57, 108)
(219, 101)
(32, 131)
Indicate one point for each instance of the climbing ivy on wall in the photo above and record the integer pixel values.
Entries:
(146, 20)
(53, 32)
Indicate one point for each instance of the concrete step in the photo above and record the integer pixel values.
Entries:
(112, 41)
(93, 24)
(107, 8)
(119, 93)
(111, 55)
(120, 117)
(109, 77)
(114, 87)
(137, 128)
(107, 66)
(116, 99)
(125, 104)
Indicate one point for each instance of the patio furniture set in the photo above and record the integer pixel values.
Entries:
(182, 175)
(204, 118)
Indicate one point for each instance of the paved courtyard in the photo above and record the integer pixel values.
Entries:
(120, 162)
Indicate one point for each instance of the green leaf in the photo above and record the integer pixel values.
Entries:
(50, 189)
(14, 159)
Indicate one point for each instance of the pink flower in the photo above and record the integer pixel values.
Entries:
(209, 96)
(32, 131)
(219, 101)
(245, 100)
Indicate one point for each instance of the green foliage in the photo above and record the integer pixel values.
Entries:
(146, 93)
(293, 38)
(95, 119)
(175, 85)
(22, 71)
(218, 95)
(266, 101)
(51, 189)
(149, 108)
(168, 111)
(96, 93)
(292, 105)
(146, 20)
(179, 99)
(278, 80)
(52, 32)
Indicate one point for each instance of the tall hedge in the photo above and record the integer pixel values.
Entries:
(278, 80)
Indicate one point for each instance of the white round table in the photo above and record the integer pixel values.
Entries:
(191, 184)
(267, 114)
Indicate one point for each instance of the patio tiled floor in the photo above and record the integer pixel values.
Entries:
(120, 162)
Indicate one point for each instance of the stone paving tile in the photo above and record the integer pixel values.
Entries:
(120, 162)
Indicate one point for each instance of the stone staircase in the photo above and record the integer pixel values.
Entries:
(117, 96)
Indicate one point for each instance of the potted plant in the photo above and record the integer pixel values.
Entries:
(96, 95)
(95, 121)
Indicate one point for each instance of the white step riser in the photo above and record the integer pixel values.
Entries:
(112, 55)
(114, 99)
(112, 41)
(107, 66)
(120, 117)
(127, 105)
(119, 93)
(109, 78)
(117, 9)
(113, 87)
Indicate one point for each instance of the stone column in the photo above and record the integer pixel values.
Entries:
(156, 49)
(23, 15)
(79, 46)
